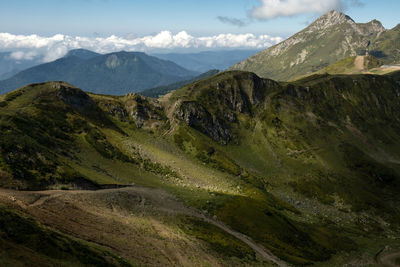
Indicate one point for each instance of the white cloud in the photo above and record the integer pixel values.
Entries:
(21, 55)
(269, 9)
(50, 48)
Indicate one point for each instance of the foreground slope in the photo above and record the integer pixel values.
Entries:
(114, 73)
(308, 171)
(332, 37)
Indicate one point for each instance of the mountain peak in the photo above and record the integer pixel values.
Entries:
(331, 18)
(81, 53)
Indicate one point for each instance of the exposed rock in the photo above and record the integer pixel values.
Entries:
(330, 19)
(196, 116)
(112, 61)
(74, 97)
(142, 109)
(115, 109)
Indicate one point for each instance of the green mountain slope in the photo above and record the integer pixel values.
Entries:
(356, 65)
(115, 73)
(330, 38)
(387, 46)
(24, 241)
(308, 170)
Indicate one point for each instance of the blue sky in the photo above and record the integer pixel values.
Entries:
(48, 29)
(138, 18)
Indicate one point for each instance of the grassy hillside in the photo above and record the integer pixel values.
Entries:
(24, 242)
(356, 65)
(308, 170)
(387, 46)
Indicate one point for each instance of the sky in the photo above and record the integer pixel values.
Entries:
(49, 28)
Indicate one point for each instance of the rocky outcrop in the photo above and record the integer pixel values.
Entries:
(73, 96)
(142, 109)
(196, 116)
(219, 104)
(242, 92)
(115, 109)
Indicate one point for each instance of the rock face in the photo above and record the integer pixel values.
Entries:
(144, 110)
(115, 109)
(73, 96)
(330, 19)
(220, 103)
(196, 116)
(332, 37)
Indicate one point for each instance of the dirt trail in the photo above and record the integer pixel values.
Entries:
(167, 203)
(265, 253)
(389, 259)
(359, 63)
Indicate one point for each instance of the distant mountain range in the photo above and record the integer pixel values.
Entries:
(82, 53)
(10, 64)
(207, 60)
(332, 37)
(324, 46)
(115, 73)
(118, 73)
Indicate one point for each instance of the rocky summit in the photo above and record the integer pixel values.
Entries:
(332, 37)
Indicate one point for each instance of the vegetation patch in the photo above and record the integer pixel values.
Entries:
(292, 241)
(31, 239)
(205, 152)
(99, 141)
(218, 240)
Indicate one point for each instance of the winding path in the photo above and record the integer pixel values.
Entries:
(32, 199)
(388, 259)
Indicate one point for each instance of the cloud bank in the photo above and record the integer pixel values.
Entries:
(269, 9)
(28, 47)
